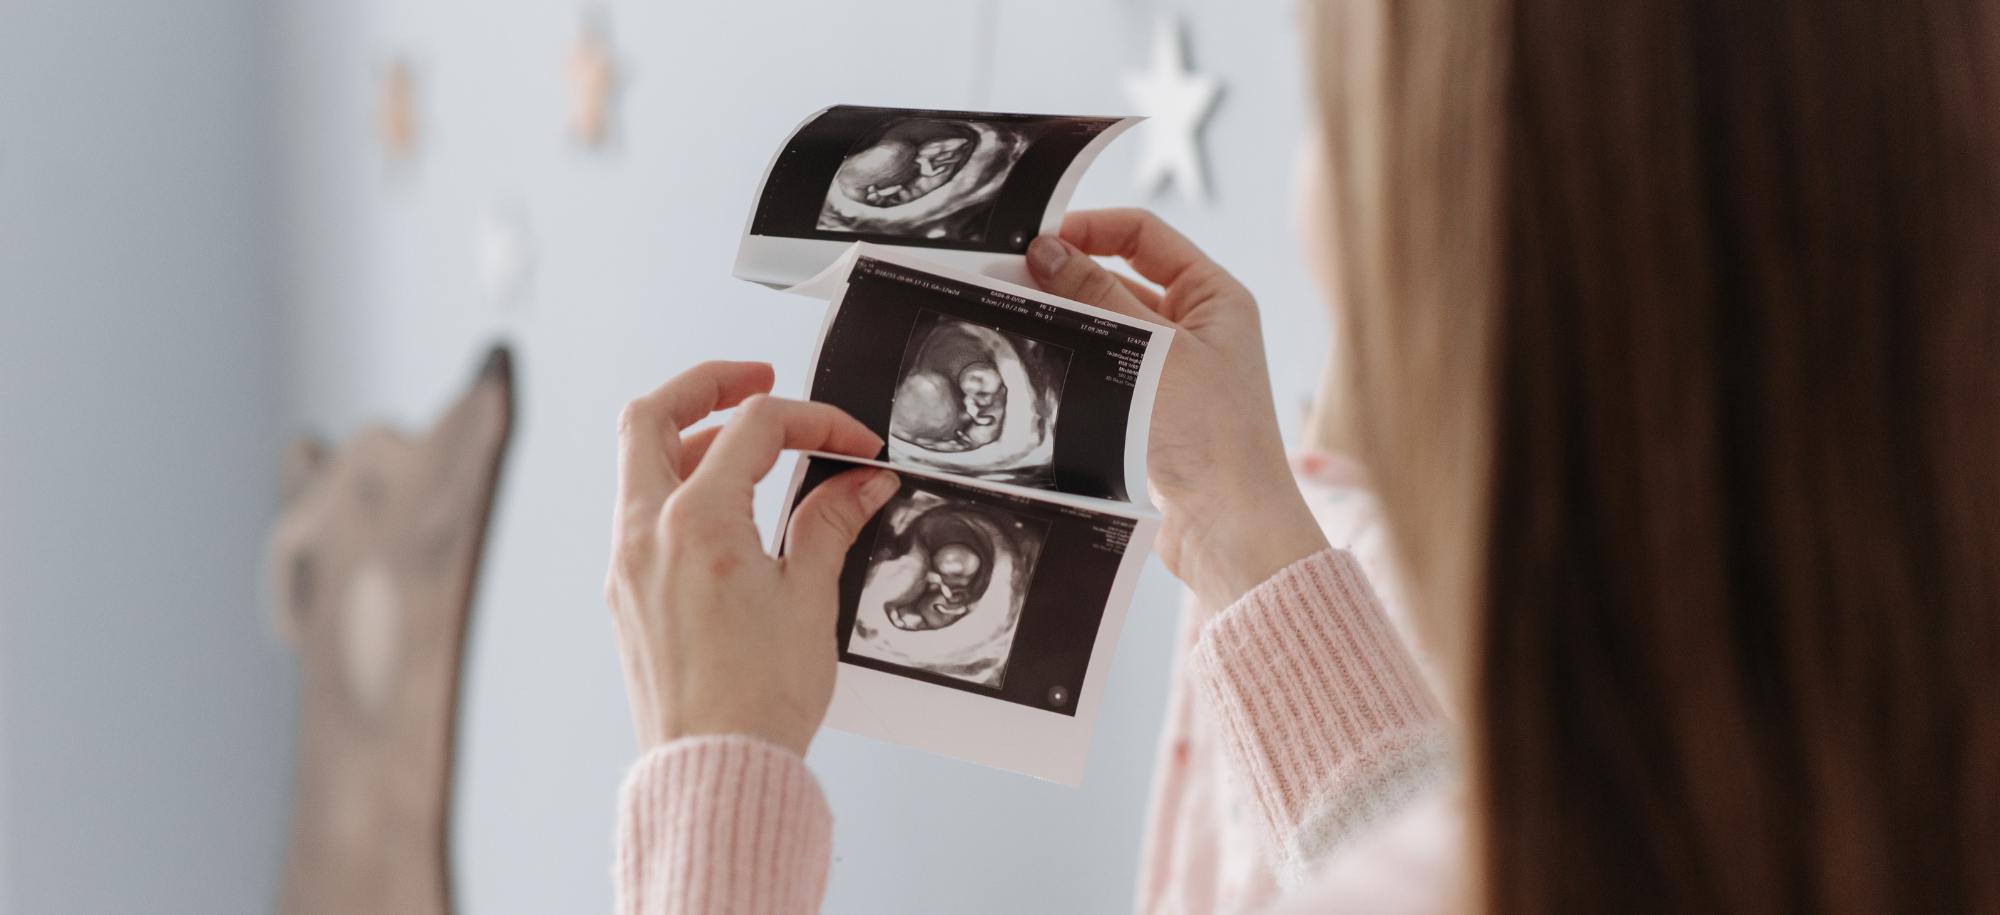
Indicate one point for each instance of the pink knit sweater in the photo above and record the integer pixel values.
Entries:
(1301, 749)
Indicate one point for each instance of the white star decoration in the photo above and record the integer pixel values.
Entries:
(1177, 102)
(506, 255)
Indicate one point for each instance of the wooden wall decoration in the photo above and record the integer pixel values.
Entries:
(372, 569)
(396, 110)
(594, 82)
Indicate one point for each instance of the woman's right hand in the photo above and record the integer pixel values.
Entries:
(716, 636)
(1215, 462)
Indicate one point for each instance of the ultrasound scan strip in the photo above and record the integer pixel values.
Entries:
(977, 619)
(969, 188)
(966, 375)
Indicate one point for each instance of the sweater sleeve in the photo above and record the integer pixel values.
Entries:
(722, 825)
(1326, 722)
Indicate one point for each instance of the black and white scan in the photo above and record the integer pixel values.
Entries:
(977, 401)
(934, 178)
(945, 586)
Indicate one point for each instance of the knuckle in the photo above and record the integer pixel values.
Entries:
(758, 408)
(632, 548)
(844, 517)
(629, 564)
(1100, 286)
(683, 512)
(1215, 283)
(686, 526)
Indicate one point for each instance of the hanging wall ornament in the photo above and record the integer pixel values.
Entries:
(506, 255)
(593, 77)
(372, 569)
(1177, 103)
(396, 110)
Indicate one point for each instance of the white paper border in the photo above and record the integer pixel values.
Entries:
(832, 283)
(783, 263)
(982, 729)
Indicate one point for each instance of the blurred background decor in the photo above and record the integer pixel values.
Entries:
(593, 74)
(204, 251)
(397, 118)
(1178, 102)
(372, 572)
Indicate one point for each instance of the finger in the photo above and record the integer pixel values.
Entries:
(693, 446)
(750, 442)
(1147, 295)
(691, 395)
(1152, 247)
(1059, 268)
(1159, 254)
(649, 428)
(831, 516)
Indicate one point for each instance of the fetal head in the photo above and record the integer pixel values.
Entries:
(956, 565)
(946, 591)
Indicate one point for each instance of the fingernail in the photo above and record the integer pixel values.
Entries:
(878, 489)
(1046, 254)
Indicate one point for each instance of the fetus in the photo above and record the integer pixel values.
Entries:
(951, 413)
(911, 160)
(954, 398)
(985, 404)
(935, 161)
(956, 547)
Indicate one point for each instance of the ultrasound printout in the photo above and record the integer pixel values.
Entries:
(980, 606)
(971, 376)
(969, 188)
(977, 619)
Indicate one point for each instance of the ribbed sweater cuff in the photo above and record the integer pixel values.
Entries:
(1323, 715)
(722, 824)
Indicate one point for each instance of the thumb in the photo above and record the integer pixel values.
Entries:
(832, 515)
(1063, 269)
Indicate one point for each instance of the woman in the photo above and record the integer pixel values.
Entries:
(1670, 334)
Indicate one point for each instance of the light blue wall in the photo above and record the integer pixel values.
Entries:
(202, 252)
(631, 283)
(149, 716)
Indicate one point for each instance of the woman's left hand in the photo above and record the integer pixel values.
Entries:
(1215, 463)
(716, 636)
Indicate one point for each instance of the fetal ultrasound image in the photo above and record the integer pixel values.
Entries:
(945, 585)
(977, 401)
(934, 178)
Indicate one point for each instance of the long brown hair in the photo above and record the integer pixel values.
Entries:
(1675, 333)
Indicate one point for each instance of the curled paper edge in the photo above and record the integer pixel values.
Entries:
(773, 261)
